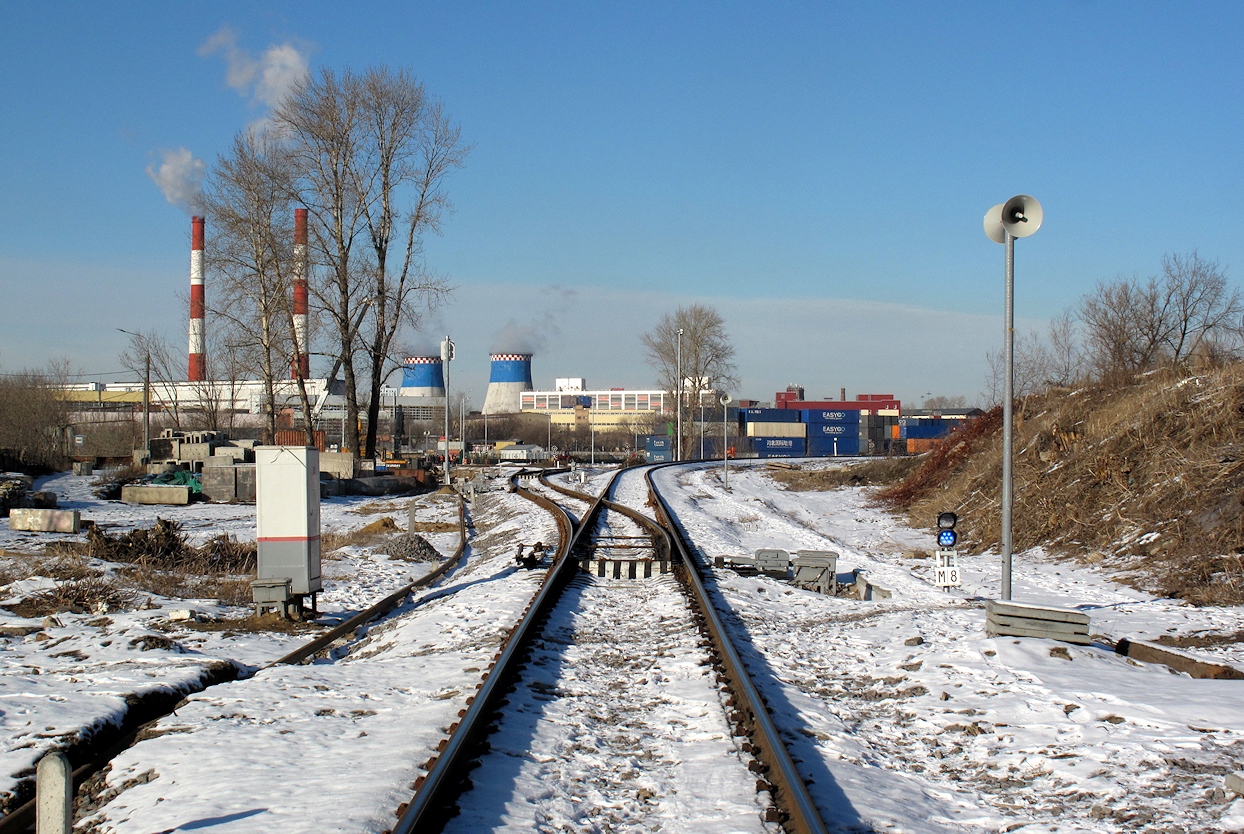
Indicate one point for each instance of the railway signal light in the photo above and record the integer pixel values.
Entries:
(946, 536)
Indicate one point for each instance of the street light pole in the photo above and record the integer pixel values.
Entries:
(1019, 216)
(678, 398)
(725, 444)
(447, 354)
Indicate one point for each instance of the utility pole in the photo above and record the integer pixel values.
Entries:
(678, 398)
(447, 354)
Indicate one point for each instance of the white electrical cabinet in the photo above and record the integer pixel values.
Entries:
(287, 508)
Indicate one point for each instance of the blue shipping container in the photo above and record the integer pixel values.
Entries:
(832, 430)
(769, 415)
(656, 442)
(778, 447)
(823, 447)
(658, 457)
(830, 416)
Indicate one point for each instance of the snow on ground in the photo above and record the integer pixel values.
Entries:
(903, 714)
(908, 718)
(336, 744)
(64, 677)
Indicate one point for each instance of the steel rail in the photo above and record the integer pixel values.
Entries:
(789, 792)
(22, 818)
(435, 791)
(385, 605)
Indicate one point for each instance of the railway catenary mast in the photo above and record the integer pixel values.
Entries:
(302, 358)
(198, 360)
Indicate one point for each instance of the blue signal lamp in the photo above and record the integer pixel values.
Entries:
(946, 538)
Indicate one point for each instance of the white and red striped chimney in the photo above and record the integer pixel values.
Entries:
(302, 358)
(198, 364)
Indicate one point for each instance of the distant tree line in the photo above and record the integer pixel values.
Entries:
(1188, 313)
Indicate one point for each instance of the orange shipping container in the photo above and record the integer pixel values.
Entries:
(298, 437)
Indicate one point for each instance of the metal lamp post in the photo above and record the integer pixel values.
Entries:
(725, 444)
(1019, 216)
(447, 354)
(678, 398)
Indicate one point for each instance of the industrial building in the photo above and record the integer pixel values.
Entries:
(570, 403)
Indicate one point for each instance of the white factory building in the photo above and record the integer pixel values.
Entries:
(571, 402)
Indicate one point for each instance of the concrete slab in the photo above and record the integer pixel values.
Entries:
(1006, 608)
(155, 494)
(993, 630)
(45, 521)
(1175, 659)
(245, 475)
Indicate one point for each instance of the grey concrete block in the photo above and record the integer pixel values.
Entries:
(219, 483)
(337, 464)
(195, 451)
(236, 454)
(1235, 783)
(81, 467)
(245, 480)
(155, 494)
(45, 521)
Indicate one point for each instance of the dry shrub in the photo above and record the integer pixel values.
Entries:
(80, 596)
(163, 547)
(1149, 474)
(869, 473)
(108, 485)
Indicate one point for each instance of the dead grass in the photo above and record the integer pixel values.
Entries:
(379, 529)
(80, 596)
(373, 509)
(1147, 478)
(870, 473)
(1200, 641)
(434, 527)
(271, 622)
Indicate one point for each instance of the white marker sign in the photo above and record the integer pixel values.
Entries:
(946, 575)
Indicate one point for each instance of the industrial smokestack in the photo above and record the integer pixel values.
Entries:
(302, 358)
(511, 375)
(198, 363)
(423, 376)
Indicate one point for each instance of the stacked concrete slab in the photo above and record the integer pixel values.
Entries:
(1017, 619)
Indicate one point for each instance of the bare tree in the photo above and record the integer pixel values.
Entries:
(1066, 365)
(1132, 326)
(1031, 366)
(412, 146)
(167, 367)
(370, 153)
(707, 356)
(1198, 303)
(942, 401)
(33, 419)
(247, 199)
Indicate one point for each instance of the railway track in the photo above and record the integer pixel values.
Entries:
(609, 707)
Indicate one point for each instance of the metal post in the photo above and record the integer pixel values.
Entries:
(725, 450)
(592, 426)
(678, 399)
(701, 427)
(1008, 416)
(446, 355)
(147, 408)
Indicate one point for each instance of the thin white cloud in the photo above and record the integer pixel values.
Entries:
(180, 176)
(265, 79)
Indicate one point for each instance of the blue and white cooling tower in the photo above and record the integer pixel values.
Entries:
(423, 376)
(511, 376)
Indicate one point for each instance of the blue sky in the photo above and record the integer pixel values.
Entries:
(818, 171)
